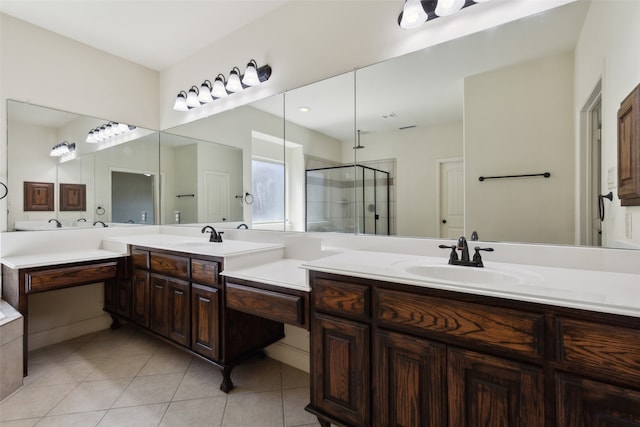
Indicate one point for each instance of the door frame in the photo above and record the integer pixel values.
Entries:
(585, 194)
(439, 164)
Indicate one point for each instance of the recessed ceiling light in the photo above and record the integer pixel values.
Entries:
(304, 109)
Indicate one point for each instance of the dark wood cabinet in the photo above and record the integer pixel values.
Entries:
(409, 381)
(629, 149)
(488, 391)
(341, 382)
(180, 297)
(442, 358)
(140, 297)
(586, 403)
(205, 323)
(38, 196)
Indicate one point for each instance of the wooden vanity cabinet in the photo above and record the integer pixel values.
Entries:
(629, 149)
(180, 297)
(385, 354)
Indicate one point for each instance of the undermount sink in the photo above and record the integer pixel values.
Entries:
(459, 274)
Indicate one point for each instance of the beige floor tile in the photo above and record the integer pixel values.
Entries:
(54, 353)
(294, 401)
(136, 416)
(115, 335)
(72, 371)
(20, 423)
(81, 419)
(254, 409)
(258, 376)
(167, 362)
(195, 413)
(200, 365)
(91, 396)
(149, 389)
(96, 350)
(33, 402)
(200, 384)
(294, 378)
(116, 367)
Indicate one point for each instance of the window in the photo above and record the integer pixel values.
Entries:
(268, 191)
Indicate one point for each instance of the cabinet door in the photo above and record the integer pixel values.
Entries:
(140, 296)
(158, 304)
(409, 381)
(585, 403)
(123, 297)
(110, 295)
(205, 312)
(178, 304)
(486, 391)
(340, 365)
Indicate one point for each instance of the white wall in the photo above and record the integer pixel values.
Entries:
(607, 49)
(514, 117)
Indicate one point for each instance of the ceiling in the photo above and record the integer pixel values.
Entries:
(154, 33)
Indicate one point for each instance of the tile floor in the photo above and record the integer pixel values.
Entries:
(127, 378)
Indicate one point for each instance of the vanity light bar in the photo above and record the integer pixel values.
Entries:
(222, 86)
(106, 131)
(62, 149)
(417, 12)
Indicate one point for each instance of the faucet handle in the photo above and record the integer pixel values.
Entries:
(476, 256)
(453, 256)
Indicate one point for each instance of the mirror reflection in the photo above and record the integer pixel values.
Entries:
(80, 188)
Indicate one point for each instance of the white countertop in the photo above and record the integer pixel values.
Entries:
(286, 273)
(616, 293)
(193, 245)
(66, 257)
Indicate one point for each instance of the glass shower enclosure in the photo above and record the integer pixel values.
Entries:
(347, 199)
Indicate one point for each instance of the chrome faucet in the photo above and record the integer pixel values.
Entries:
(215, 236)
(100, 222)
(461, 245)
(58, 225)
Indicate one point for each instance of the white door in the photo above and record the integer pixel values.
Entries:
(451, 199)
(596, 176)
(216, 196)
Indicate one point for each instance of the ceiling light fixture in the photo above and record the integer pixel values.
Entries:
(416, 12)
(62, 149)
(107, 131)
(222, 86)
(304, 109)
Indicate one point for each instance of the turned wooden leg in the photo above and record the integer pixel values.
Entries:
(227, 384)
(323, 423)
(115, 322)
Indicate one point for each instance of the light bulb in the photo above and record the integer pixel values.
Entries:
(234, 84)
(192, 97)
(250, 77)
(218, 90)
(181, 102)
(205, 92)
(448, 7)
(413, 15)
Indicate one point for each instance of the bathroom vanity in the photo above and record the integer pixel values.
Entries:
(406, 352)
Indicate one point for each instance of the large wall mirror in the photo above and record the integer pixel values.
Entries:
(432, 129)
(115, 181)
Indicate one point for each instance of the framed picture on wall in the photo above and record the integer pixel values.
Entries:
(73, 197)
(38, 196)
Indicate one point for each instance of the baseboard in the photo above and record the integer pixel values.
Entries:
(289, 355)
(66, 332)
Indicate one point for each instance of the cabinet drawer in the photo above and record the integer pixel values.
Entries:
(496, 327)
(601, 349)
(140, 258)
(206, 272)
(173, 265)
(64, 277)
(341, 297)
(268, 304)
